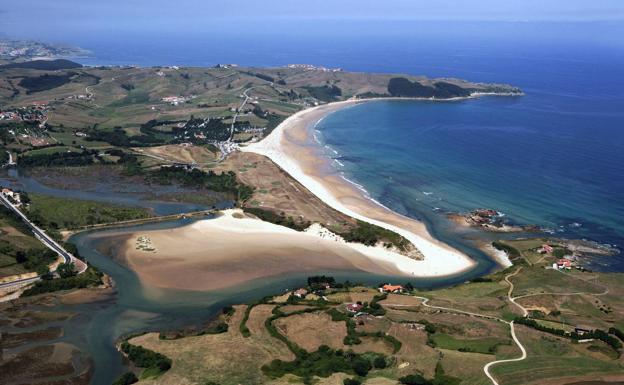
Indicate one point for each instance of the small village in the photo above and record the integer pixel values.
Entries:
(566, 262)
(310, 67)
(35, 112)
(317, 290)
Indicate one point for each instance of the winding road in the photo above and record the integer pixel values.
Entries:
(486, 368)
(50, 243)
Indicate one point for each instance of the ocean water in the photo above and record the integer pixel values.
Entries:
(554, 157)
(553, 167)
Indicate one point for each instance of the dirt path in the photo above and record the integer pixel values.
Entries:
(511, 289)
(486, 368)
(525, 313)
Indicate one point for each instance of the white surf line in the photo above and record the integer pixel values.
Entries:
(438, 261)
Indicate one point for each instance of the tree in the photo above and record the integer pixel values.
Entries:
(164, 365)
(24, 197)
(20, 257)
(414, 379)
(126, 379)
(66, 270)
(379, 362)
(361, 366)
(44, 272)
(351, 381)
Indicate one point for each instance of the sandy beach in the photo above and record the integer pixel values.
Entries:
(292, 147)
(233, 249)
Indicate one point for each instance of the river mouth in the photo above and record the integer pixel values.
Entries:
(137, 307)
(134, 307)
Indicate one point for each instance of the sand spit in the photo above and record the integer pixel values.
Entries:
(292, 147)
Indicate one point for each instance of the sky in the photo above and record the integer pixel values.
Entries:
(148, 11)
(76, 21)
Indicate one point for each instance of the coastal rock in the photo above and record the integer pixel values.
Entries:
(489, 220)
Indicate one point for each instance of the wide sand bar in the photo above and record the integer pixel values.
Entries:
(233, 249)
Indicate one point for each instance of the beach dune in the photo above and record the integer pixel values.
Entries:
(291, 146)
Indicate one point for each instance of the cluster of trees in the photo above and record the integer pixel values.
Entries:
(560, 252)
(44, 65)
(323, 363)
(224, 182)
(260, 76)
(119, 137)
(44, 82)
(68, 280)
(317, 282)
(33, 259)
(353, 336)
(374, 307)
(36, 259)
(145, 358)
(149, 128)
(324, 93)
(617, 332)
(126, 379)
(363, 232)
(71, 159)
(403, 87)
(370, 235)
(213, 129)
(278, 219)
(596, 334)
(440, 378)
(245, 332)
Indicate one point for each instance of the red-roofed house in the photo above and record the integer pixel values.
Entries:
(354, 307)
(564, 264)
(301, 293)
(546, 249)
(391, 289)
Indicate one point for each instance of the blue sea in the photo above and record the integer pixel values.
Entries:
(554, 157)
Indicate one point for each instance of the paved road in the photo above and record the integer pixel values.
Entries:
(46, 240)
(247, 97)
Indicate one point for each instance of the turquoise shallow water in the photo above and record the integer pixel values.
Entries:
(535, 158)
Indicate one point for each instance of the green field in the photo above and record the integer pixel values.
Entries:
(57, 213)
(481, 345)
(14, 237)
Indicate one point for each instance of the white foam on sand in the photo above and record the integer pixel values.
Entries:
(439, 259)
